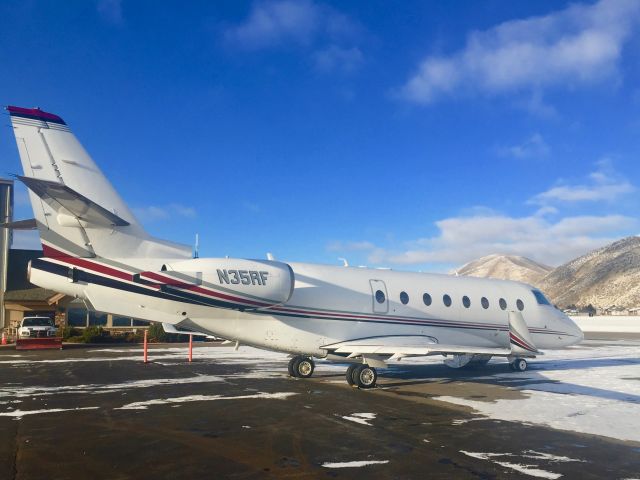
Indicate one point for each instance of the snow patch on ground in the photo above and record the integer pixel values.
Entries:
(593, 390)
(20, 391)
(531, 470)
(354, 464)
(361, 418)
(18, 414)
(203, 398)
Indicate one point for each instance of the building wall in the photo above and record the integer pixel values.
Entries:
(6, 213)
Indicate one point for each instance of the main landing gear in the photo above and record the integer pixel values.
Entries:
(518, 365)
(358, 374)
(301, 367)
(362, 376)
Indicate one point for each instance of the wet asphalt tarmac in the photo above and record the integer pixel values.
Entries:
(221, 418)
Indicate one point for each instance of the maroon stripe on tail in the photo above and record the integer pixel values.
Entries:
(35, 114)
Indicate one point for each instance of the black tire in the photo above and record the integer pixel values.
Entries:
(291, 369)
(350, 370)
(304, 367)
(520, 365)
(365, 376)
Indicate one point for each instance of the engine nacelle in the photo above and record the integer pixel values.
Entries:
(234, 283)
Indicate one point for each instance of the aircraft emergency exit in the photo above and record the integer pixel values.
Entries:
(96, 250)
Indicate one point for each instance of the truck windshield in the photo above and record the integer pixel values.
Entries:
(36, 322)
(542, 300)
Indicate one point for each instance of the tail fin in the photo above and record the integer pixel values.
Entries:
(77, 210)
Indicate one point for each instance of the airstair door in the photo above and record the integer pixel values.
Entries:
(380, 298)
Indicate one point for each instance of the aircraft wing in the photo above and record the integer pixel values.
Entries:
(378, 350)
(406, 346)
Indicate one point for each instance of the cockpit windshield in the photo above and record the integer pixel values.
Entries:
(542, 300)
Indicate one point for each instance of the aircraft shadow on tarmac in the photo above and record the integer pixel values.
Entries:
(500, 374)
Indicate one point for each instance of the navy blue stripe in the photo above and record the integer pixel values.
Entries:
(37, 117)
(84, 276)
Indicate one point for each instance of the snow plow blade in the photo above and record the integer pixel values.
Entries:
(38, 343)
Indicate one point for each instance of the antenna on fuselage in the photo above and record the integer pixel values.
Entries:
(196, 254)
(270, 256)
(345, 263)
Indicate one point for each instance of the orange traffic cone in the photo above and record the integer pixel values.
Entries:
(4, 338)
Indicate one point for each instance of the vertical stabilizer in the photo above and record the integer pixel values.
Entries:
(77, 210)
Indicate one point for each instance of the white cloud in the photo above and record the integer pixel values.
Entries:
(329, 34)
(532, 147)
(335, 58)
(281, 22)
(462, 239)
(544, 235)
(580, 45)
(272, 23)
(604, 185)
(154, 213)
(111, 11)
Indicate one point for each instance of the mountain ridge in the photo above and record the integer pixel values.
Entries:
(603, 277)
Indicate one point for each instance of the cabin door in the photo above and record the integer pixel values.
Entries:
(380, 298)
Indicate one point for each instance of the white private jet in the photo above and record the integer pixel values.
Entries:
(96, 250)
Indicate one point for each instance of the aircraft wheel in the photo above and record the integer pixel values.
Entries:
(304, 367)
(291, 367)
(365, 376)
(519, 365)
(350, 380)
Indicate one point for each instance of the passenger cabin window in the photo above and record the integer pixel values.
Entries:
(466, 302)
(447, 300)
(520, 304)
(484, 302)
(503, 304)
(426, 298)
(540, 298)
(404, 298)
(380, 298)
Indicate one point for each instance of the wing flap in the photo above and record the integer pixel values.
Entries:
(436, 349)
(407, 346)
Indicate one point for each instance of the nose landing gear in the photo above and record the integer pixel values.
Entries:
(301, 367)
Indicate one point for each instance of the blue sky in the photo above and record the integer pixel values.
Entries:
(417, 135)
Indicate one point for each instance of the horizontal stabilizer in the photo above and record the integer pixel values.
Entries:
(65, 200)
(29, 224)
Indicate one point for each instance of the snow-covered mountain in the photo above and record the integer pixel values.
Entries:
(506, 267)
(604, 277)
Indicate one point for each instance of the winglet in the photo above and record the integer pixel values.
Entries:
(521, 341)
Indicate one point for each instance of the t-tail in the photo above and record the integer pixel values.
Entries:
(77, 210)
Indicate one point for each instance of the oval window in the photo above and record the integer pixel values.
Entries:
(503, 304)
(404, 298)
(484, 302)
(447, 300)
(380, 298)
(520, 305)
(426, 298)
(466, 302)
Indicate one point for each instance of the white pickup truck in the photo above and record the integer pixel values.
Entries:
(34, 327)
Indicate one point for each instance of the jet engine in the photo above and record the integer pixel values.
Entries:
(229, 282)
